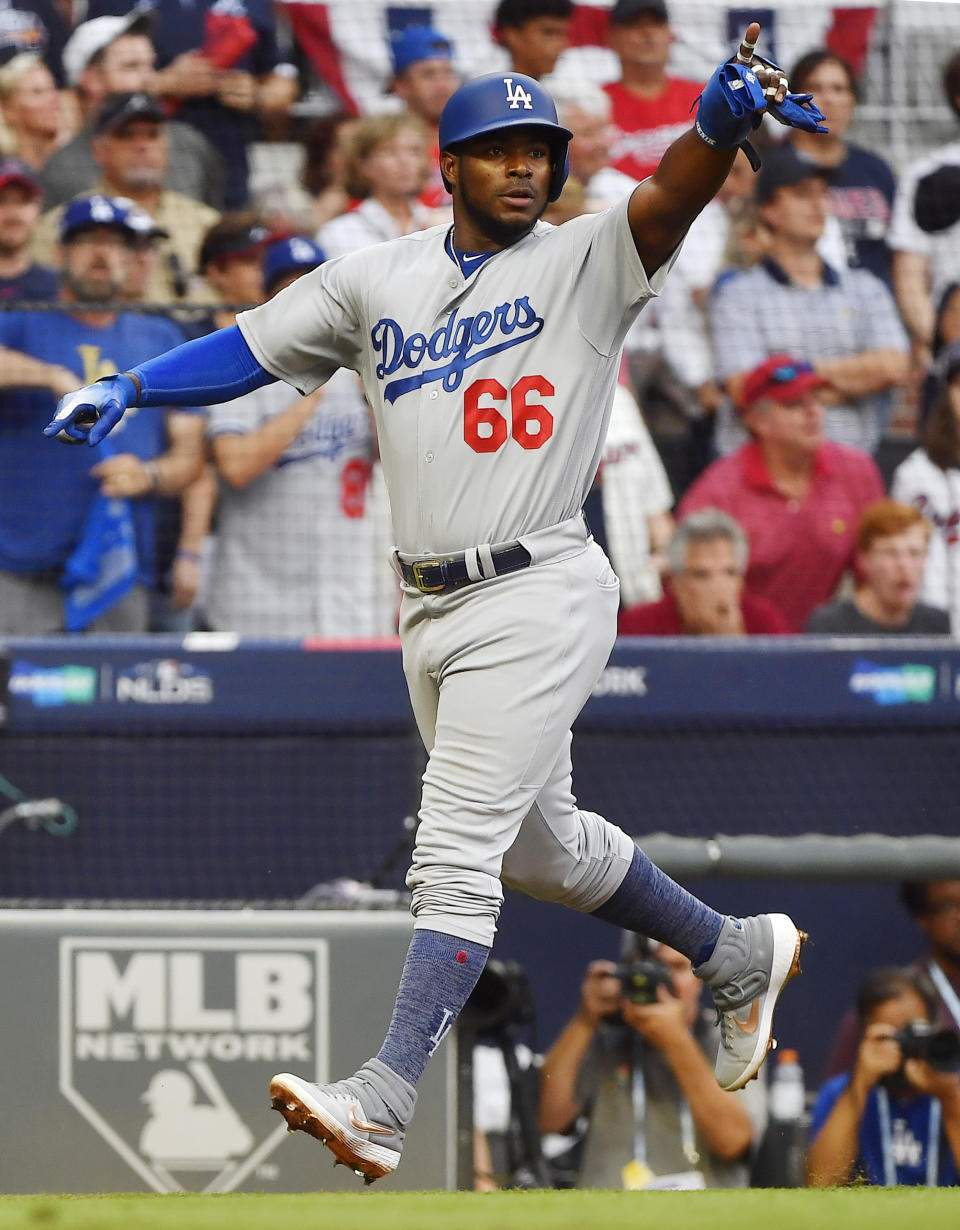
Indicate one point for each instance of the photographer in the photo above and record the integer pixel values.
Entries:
(895, 1118)
(637, 1061)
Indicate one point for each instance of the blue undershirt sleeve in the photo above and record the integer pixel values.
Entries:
(211, 369)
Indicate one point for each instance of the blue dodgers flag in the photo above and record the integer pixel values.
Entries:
(103, 566)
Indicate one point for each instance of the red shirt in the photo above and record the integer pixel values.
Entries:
(799, 549)
(663, 618)
(644, 127)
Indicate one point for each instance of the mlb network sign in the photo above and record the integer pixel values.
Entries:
(167, 1046)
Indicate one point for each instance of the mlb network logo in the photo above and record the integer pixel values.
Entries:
(167, 1046)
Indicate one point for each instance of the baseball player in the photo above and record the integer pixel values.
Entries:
(489, 352)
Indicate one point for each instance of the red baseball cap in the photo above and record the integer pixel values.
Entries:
(782, 378)
(13, 171)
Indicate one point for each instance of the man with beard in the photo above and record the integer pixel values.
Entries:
(131, 146)
(20, 276)
(53, 523)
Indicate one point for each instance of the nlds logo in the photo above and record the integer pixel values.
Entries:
(168, 1045)
(517, 96)
(164, 682)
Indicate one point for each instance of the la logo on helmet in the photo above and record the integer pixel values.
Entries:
(517, 96)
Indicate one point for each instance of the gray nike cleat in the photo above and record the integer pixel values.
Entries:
(751, 964)
(349, 1117)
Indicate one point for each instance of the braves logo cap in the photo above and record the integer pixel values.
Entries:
(13, 171)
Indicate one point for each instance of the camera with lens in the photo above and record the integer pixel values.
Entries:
(641, 979)
(940, 1048)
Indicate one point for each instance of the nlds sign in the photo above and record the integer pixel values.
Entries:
(188, 1033)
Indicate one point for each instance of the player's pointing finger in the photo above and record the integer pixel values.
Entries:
(749, 44)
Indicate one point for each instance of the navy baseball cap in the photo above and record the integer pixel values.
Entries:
(783, 168)
(119, 109)
(88, 211)
(286, 255)
(625, 11)
(414, 43)
(13, 171)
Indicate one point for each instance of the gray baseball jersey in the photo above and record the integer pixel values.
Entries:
(295, 548)
(491, 391)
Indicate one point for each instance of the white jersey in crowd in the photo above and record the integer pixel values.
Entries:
(491, 389)
(295, 551)
(941, 248)
(936, 493)
(368, 223)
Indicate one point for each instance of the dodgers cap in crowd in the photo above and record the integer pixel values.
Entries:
(119, 109)
(781, 378)
(92, 37)
(415, 43)
(88, 211)
(13, 171)
(286, 255)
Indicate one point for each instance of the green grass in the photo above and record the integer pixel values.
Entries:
(850, 1209)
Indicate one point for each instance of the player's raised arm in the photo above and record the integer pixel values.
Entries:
(694, 167)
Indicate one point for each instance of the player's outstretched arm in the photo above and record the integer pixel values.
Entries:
(694, 167)
(210, 369)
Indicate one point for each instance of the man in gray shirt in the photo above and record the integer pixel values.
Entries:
(844, 322)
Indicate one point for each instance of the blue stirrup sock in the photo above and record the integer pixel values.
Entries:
(438, 975)
(650, 902)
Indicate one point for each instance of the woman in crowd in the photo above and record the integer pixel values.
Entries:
(31, 123)
(386, 159)
(861, 183)
(895, 1118)
(930, 479)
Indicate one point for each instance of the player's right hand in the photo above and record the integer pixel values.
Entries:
(90, 413)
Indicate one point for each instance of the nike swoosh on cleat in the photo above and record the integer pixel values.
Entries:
(362, 1126)
(749, 1026)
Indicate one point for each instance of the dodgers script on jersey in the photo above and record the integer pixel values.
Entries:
(491, 391)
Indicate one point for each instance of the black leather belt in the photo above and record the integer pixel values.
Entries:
(439, 576)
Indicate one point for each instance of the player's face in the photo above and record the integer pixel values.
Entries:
(535, 46)
(95, 264)
(590, 147)
(500, 184)
(19, 211)
(642, 43)
(799, 212)
(708, 590)
(833, 94)
(893, 567)
(126, 65)
(942, 918)
(425, 87)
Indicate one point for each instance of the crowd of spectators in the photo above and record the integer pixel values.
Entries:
(802, 363)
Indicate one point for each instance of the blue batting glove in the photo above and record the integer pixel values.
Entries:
(798, 111)
(731, 105)
(92, 412)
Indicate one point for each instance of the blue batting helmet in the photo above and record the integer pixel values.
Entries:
(506, 100)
